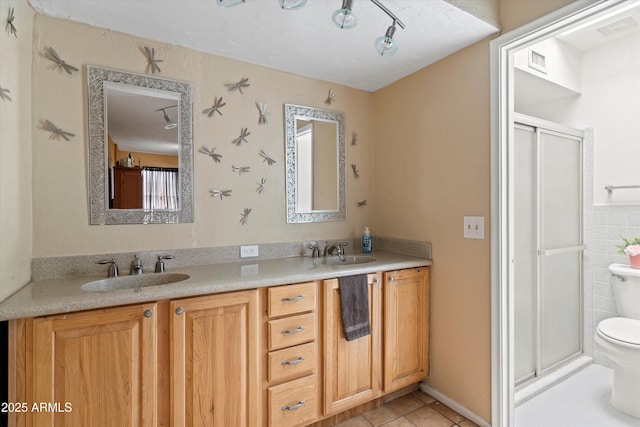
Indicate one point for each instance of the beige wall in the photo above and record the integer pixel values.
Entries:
(15, 150)
(432, 167)
(432, 163)
(61, 225)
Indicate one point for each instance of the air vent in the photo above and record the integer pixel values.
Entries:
(617, 27)
(537, 61)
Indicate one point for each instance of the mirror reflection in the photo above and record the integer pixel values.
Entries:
(315, 164)
(317, 156)
(140, 148)
(142, 139)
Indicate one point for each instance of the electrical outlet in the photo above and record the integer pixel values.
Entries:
(474, 227)
(248, 251)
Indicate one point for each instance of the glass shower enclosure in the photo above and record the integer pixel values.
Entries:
(548, 246)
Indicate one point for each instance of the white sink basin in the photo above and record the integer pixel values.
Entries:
(133, 282)
(347, 260)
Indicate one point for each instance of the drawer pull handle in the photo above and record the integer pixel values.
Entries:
(293, 331)
(293, 362)
(293, 407)
(292, 299)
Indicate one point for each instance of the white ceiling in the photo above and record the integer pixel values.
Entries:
(303, 41)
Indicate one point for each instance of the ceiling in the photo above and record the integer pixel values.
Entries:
(303, 41)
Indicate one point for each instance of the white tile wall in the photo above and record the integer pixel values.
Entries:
(604, 225)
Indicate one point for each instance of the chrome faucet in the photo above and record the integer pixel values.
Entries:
(329, 250)
(136, 266)
(113, 268)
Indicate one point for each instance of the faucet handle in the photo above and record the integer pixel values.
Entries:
(113, 268)
(341, 247)
(316, 250)
(160, 262)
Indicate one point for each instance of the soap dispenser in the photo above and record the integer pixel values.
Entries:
(367, 246)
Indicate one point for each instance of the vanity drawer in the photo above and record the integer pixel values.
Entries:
(294, 362)
(291, 331)
(293, 403)
(291, 299)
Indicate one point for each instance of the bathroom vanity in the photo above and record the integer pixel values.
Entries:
(242, 344)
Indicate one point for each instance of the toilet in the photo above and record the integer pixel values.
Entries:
(619, 338)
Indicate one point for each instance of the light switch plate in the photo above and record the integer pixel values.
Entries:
(248, 251)
(474, 227)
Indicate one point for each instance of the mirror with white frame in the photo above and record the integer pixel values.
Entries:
(315, 157)
(140, 148)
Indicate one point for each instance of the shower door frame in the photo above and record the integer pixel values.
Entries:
(540, 126)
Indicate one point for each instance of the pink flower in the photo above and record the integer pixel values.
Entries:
(632, 250)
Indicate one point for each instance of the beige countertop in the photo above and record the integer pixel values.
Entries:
(64, 295)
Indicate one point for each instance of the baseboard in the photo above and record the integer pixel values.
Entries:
(465, 412)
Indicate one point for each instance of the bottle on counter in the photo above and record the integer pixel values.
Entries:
(367, 246)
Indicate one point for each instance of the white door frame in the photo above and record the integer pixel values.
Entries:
(502, 125)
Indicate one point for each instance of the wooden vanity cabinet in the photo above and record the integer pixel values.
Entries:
(270, 357)
(352, 369)
(214, 347)
(93, 368)
(406, 327)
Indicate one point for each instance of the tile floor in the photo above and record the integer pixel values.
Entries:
(416, 409)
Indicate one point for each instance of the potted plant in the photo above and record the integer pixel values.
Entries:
(631, 247)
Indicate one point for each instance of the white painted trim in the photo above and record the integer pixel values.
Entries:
(502, 118)
(465, 412)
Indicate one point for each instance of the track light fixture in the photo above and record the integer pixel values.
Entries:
(291, 4)
(284, 4)
(344, 19)
(169, 124)
(386, 45)
(229, 3)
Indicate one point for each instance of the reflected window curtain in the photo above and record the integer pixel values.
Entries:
(160, 188)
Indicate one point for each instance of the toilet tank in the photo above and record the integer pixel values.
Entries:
(626, 288)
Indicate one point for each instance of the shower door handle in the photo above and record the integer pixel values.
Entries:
(562, 250)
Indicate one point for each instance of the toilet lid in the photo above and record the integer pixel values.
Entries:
(621, 329)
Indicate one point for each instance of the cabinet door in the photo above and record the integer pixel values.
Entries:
(95, 368)
(406, 327)
(351, 368)
(214, 360)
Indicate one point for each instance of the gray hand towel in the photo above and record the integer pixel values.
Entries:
(354, 306)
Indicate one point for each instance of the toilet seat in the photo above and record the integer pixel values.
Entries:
(621, 331)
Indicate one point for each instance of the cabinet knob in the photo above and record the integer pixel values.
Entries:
(376, 281)
(292, 299)
(292, 362)
(179, 310)
(393, 279)
(293, 407)
(292, 331)
(148, 313)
